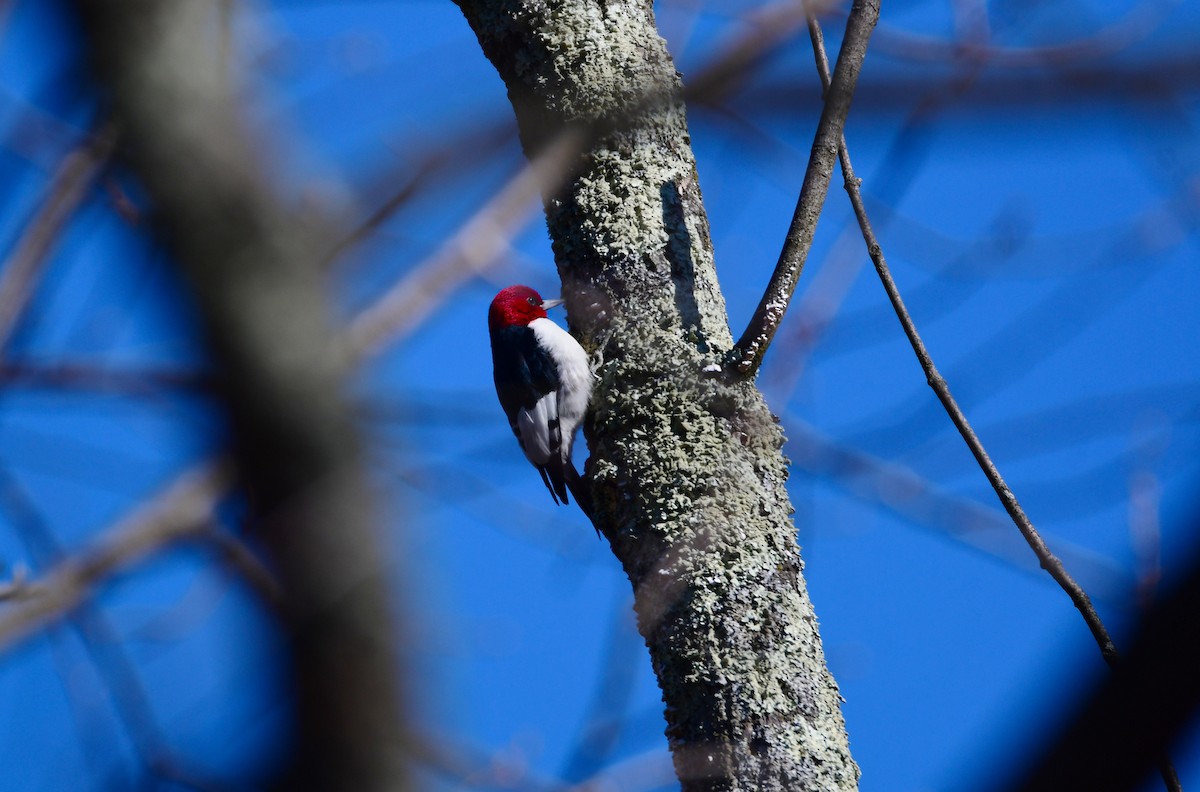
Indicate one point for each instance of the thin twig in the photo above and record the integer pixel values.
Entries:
(747, 354)
(67, 190)
(1046, 558)
(899, 167)
(243, 560)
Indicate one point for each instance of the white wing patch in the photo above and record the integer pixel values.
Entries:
(538, 429)
(575, 386)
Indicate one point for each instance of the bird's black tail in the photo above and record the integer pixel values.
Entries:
(554, 481)
(562, 478)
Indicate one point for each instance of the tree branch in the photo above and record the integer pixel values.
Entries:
(254, 268)
(1133, 715)
(747, 355)
(1048, 560)
(67, 190)
(179, 512)
(474, 246)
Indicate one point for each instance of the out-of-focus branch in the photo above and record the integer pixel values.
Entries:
(607, 719)
(1124, 728)
(1048, 560)
(433, 166)
(476, 244)
(235, 554)
(639, 773)
(41, 138)
(95, 378)
(179, 512)
(767, 28)
(254, 268)
(904, 492)
(19, 273)
(100, 638)
(1135, 25)
(748, 353)
(471, 768)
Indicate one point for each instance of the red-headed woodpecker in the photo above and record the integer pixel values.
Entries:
(543, 381)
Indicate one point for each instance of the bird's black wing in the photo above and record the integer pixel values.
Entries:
(527, 384)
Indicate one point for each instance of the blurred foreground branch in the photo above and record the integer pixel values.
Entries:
(179, 512)
(255, 269)
(1120, 733)
(474, 246)
(69, 186)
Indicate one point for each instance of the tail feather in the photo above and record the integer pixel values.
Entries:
(560, 479)
(554, 483)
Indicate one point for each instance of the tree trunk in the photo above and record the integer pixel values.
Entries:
(254, 268)
(686, 467)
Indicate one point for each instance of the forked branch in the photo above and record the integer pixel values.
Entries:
(1048, 560)
(747, 354)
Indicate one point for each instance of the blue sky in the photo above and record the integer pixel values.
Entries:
(1042, 225)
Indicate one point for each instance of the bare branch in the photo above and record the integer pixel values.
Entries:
(67, 190)
(1135, 25)
(488, 233)
(904, 492)
(253, 267)
(747, 355)
(240, 558)
(179, 512)
(1048, 560)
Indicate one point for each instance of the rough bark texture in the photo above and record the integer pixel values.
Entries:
(254, 268)
(686, 464)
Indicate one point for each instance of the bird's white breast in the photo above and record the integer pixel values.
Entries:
(575, 386)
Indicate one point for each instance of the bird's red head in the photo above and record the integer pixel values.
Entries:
(517, 305)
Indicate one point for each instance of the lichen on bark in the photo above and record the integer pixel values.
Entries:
(686, 466)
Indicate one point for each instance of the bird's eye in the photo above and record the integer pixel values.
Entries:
(531, 301)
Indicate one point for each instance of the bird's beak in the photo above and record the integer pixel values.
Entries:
(548, 304)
